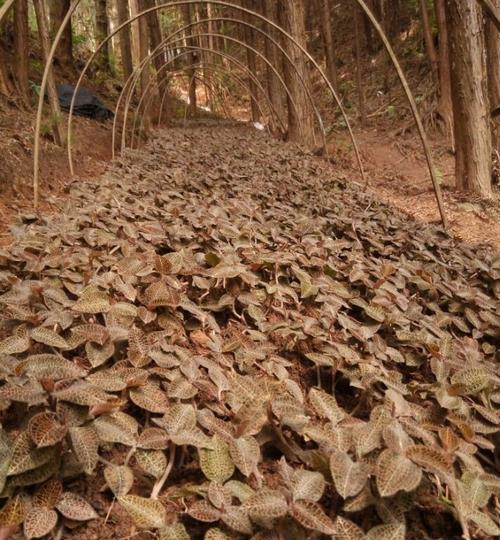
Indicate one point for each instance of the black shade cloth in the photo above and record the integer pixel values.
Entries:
(86, 103)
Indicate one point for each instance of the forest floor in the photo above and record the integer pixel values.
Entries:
(245, 277)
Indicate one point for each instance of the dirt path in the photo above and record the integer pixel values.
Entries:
(220, 332)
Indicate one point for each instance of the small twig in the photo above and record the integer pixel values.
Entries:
(161, 482)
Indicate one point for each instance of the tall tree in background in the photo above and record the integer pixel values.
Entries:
(445, 100)
(123, 10)
(326, 31)
(274, 88)
(470, 98)
(249, 38)
(41, 19)
(101, 31)
(57, 11)
(155, 38)
(21, 47)
(190, 42)
(300, 122)
(493, 54)
(429, 40)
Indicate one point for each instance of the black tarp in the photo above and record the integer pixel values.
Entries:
(86, 103)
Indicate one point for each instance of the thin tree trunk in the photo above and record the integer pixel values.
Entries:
(470, 97)
(300, 122)
(123, 10)
(249, 38)
(143, 53)
(101, 31)
(21, 47)
(445, 99)
(57, 12)
(359, 78)
(327, 38)
(493, 52)
(155, 39)
(273, 54)
(429, 41)
(190, 42)
(43, 31)
(5, 84)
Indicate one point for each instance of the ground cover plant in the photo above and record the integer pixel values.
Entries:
(227, 342)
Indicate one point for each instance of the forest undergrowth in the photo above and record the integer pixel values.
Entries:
(219, 339)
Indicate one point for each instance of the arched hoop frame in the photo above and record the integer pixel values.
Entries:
(135, 77)
(284, 33)
(148, 96)
(144, 13)
(212, 68)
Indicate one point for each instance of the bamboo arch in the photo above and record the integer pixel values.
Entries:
(146, 96)
(284, 33)
(213, 70)
(167, 41)
(136, 76)
(144, 13)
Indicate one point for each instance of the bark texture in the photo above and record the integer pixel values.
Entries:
(471, 106)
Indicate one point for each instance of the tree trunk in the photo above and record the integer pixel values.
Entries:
(41, 18)
(493, 52)
(190, 42)
(470, 97)
(445, 100)
(101, 32)
(327, 38)
(249, 38)
(429, 41)
(359, 78)
(57, 12)
(123, 10)
(5, 84)
(21, 47)
(274, 88)
(300, 122)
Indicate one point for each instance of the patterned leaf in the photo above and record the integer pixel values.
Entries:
(39, 521)
(15, 344)
(311, 516)
(216, 534)
(343, 529)
(119, 478)
(205, 512)
(245, 454)
(153, 439)
(13, 513)
(307, 485)
(326, 406)
(216, 462)
(146, 513)
(349, 477)
(92, 302)
(48, 494)
(266, 504)
(236, 518)
(150, 398)
(432, 459)
(117, 427)
(50, 366)
(392, 531)
(45, 430)
(174, 532)
(75, 507)
(395, 472)
(152, 462)
(48, 337)
(85, 443)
